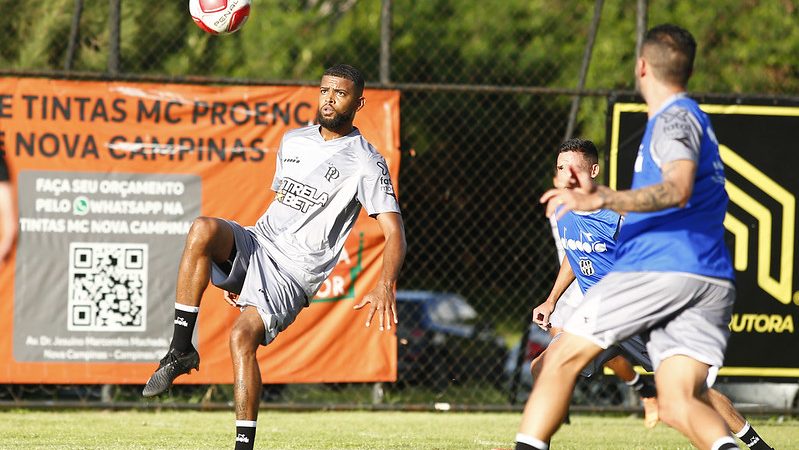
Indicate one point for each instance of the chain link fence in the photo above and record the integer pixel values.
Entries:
(487, 89)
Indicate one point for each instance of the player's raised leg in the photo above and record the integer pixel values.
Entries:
(681, 384)
(736, 422)
(552, 392)
(208, 239)
(245, 337)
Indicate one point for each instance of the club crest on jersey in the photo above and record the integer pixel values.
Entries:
(586, 267)
(332, 174)
(300, 196)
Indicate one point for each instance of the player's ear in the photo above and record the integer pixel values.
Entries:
(594, 170)
(640, 67)
(361, 102)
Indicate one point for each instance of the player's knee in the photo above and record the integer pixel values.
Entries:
(562, 360)
(671, 408)
(244, 339)
(202, 230)
(535, 365)
(203, 227)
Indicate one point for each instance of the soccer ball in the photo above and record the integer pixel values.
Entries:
(219, 16)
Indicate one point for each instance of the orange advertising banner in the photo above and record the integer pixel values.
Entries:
(108, 179)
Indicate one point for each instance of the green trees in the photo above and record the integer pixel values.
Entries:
(744, 46)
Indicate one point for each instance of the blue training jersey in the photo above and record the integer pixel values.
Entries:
(689, 239)
(589, 239)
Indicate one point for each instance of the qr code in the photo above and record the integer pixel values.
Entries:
(107, 287)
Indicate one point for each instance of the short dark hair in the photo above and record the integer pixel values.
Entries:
(671, 51)
(347, 72)
(583, 146)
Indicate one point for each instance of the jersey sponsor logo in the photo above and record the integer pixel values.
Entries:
(386, 186)
(385, 181)
(677, 123)
(293, 159)
(300, 196)
(584, 244)
(383, 168)
(332, 174)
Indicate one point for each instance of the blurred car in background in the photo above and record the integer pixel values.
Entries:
(441, 340)
(599, 390)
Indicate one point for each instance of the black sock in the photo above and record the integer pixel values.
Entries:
(725, 443)
(185, 318)
(752, 440)
(643, 386)
(523, 446)
(245, 434)
(729, 447)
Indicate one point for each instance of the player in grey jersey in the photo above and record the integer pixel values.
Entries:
(324, 174)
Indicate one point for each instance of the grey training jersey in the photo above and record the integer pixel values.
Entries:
(320, 187)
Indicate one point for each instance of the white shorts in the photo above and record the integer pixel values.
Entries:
(255, 277)
(567, 304)
(679, 313)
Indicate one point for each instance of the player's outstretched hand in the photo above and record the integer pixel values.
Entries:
(231, 298)
(541, 315)
(581, 196)
(383, 302)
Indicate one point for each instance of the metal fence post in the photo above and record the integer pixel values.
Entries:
(385, 42)
(589, 48)
(74, 32)
(113, 36)
(640, 24)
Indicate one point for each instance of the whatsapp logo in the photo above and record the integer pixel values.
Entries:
(80, 206)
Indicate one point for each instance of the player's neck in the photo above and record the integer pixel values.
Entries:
(330, 134)
(657, 97)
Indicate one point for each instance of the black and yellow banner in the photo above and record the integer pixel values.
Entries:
(758, 146)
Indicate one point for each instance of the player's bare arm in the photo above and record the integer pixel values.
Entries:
(675, 190)
(382, 297)
(564, 278)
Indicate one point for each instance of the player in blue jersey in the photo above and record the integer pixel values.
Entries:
(672, 277)
(589, 242)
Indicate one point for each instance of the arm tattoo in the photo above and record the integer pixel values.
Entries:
(651, 198)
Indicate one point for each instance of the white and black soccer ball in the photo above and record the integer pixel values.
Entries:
(219, 16)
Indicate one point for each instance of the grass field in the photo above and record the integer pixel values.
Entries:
(336, 430)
